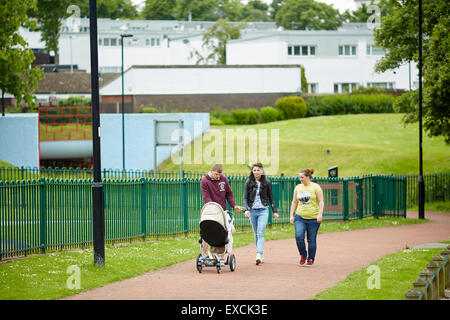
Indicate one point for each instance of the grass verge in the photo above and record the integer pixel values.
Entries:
(46, 277)
(396, 271)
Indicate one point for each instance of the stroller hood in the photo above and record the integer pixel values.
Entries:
(213, 227)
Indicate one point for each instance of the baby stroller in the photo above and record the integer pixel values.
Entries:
(216, 227)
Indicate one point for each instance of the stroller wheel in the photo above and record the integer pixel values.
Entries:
(218, 269)
(232, 262)
(199, 263)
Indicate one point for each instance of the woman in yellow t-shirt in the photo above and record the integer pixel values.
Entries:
(307, 205)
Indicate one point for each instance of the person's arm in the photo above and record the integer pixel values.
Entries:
(319, 195)
(274, 207)
(205, 191)
(229, 196)
(293, 207)
(245, 196)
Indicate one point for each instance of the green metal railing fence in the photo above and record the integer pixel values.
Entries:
(437, 186)
(43, 214)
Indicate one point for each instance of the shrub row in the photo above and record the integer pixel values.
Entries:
(349, 104)
(289, 107)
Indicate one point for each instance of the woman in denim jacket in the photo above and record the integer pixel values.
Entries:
(257, 197)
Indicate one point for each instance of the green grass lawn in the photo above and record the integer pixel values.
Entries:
(45, 276)
(358, 144)
(397, 272)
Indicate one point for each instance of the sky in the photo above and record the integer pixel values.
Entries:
(342, 5)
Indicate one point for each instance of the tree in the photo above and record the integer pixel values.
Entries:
(158, 10)
(255, 10)
(398, 35)
(49, 14)
(215, 41)
(308, 14)
(200, 10)
(275, 6)
(16, 75)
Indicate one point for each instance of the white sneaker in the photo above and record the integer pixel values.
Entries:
(259, 259)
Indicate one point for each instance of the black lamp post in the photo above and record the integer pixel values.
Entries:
(123, 35)
(98, 221)
(421, 182)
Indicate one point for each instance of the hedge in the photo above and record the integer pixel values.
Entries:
(349, 104)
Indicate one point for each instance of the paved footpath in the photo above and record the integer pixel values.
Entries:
(280, 277)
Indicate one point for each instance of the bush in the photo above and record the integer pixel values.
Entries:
(292, 107)
(148, 110)
(269, 114)
(75, 101)
(350, 104)
(246, 116)
(213, 121)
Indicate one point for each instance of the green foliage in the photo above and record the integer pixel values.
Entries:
(215, 122)
(269, 114)
(246, 116)
(16, 75)
(158, 10)
(292, 107)
(75, 101)
(215, 41)
(148, 110)
(308, 14)
(304, 81)
(398, 36)
(350, 104)
(224, 115)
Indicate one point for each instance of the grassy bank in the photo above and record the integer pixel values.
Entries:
(358, 144)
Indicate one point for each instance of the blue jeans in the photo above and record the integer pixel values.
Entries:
(310, 227)
(258, 218)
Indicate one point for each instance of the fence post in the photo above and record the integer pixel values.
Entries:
(440, 261)
(345, 199)
(446, 254)
(427, 276)
(413, 294)
(359, 197)
(143, 207)
(421, 285)
(434, 268)
(43, 213)
(184, 209)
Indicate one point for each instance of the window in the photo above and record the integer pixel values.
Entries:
(383, 85)
(113, 42)
(106, 41)
(110, 69)
(301, 50)
(312, 87)
(372, 50)
(347, 50)
(345, 87)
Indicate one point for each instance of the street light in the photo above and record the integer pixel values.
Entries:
(123, 35)
(98, 224)
(421, 182)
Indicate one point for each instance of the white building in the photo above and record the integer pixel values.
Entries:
(334, 61)
(203, 88)
(154, 42)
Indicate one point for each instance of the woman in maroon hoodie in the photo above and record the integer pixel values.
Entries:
(215, 188)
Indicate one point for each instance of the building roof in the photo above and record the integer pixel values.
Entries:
(71, 82)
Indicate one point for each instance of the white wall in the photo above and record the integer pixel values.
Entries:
(324, 69)
(214, 80)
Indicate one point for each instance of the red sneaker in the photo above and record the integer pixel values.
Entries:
(302, 260)
(309, 263)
